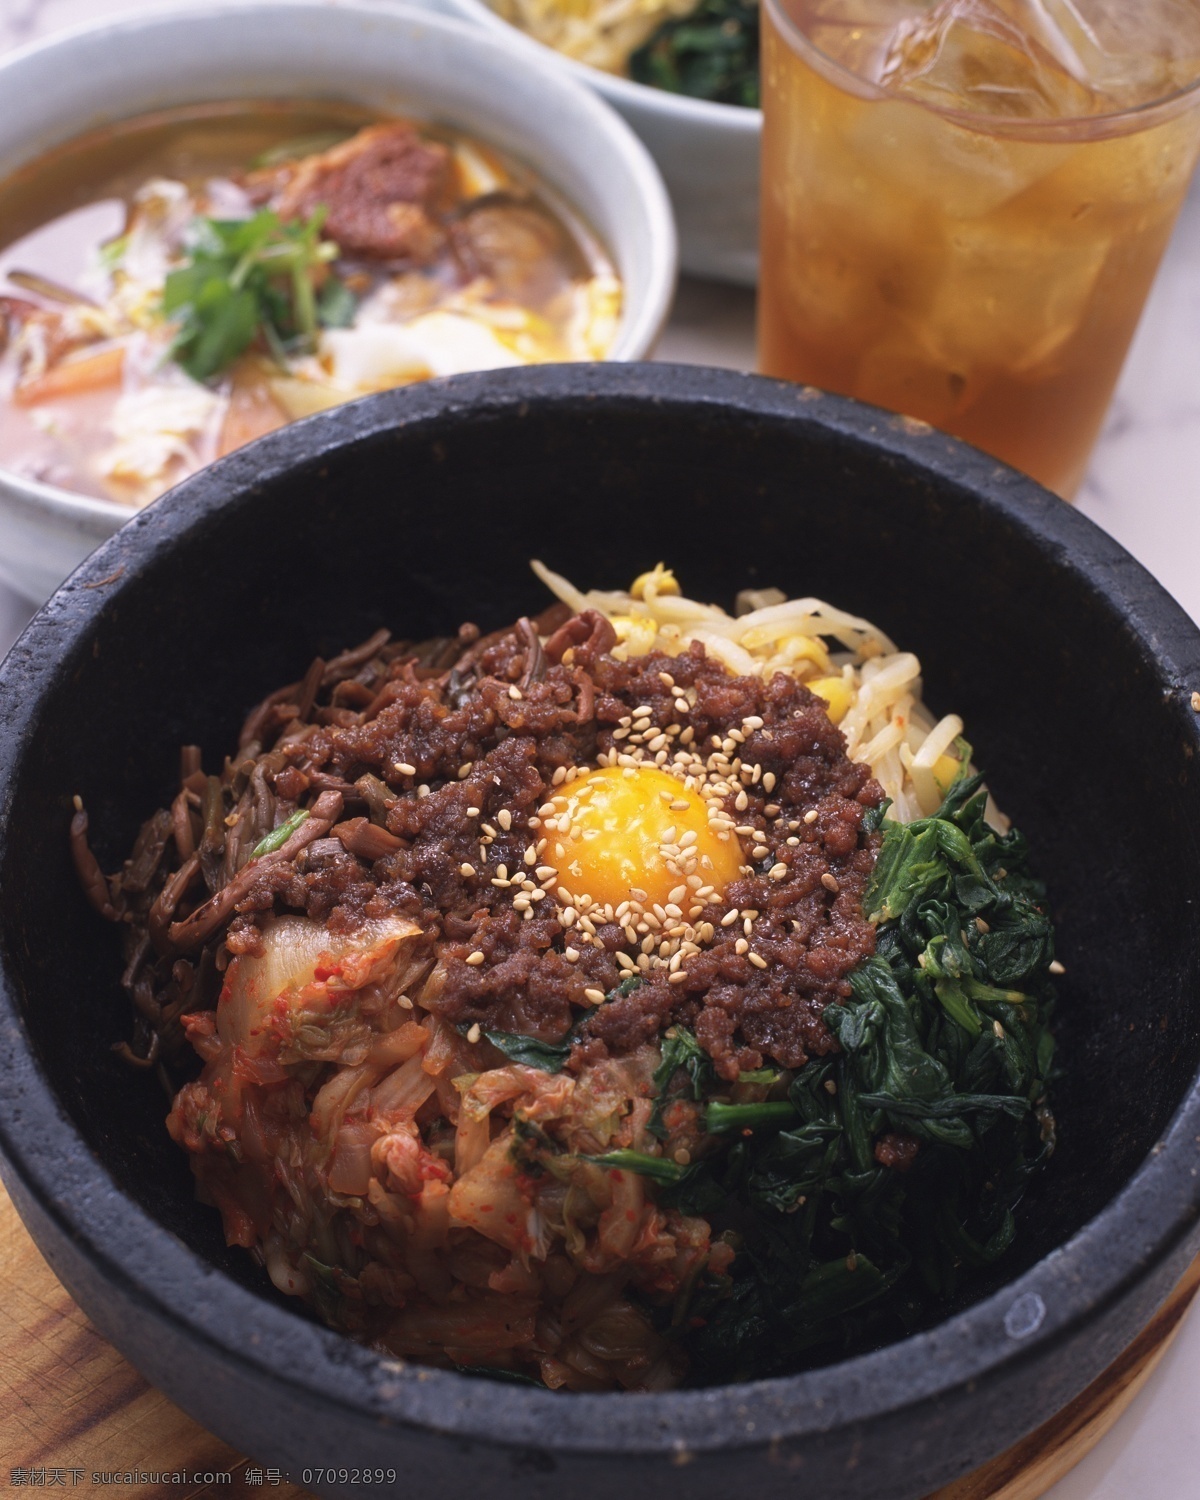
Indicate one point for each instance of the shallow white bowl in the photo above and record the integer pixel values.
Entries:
(708, 154)
(390, 57)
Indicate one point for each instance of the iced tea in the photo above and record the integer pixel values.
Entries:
(964, 205)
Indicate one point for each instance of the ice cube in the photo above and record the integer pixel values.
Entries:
(1011, 300)
(988, 57)
(1129, 52)
(948, 170)
(1024, 59)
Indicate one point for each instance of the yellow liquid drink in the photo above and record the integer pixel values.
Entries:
(965, 203)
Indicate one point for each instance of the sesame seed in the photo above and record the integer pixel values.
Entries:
(474, 1034)
(830, 1086)
(688, 839)
(729, 918)
(475, 959)
(768, 781)
(559, 776)
(595, 996)
(423, 790)
(531, 855)
(1057, 968)
(741, 946)
(742, 802)
(758, 960)
(779, 871)
(466, 869)
(504, 818)
(998, 1030)
(811, 815)
(465, 769)
(753, 722)
(405, 769)
(472, 812)
(488, 829)
(405, 1003)
(677, 978)
(1196, 702)
(981, 925)
(830, 883)
(514, 693)
(568, 916)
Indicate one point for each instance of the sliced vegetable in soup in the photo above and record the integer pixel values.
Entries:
(180, 284)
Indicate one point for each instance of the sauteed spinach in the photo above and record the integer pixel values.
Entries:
(890, 1169)
(711, 53)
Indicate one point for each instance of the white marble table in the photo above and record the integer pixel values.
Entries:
(1144, 488)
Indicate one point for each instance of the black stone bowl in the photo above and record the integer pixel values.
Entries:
(1072, 668)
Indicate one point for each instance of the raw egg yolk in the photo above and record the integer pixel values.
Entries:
(622, 829)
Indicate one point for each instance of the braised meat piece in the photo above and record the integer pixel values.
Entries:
(378, 189)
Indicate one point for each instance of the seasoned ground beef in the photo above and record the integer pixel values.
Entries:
(444, 772)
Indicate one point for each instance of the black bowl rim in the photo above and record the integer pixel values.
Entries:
(1151, 1220)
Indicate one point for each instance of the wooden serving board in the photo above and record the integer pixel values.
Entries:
(72, 1408)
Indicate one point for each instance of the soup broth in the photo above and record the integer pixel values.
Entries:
(381, 252)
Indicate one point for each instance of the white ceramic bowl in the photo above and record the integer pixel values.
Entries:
(391, 57)
(708, 154)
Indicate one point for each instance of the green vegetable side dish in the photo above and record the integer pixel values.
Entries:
(862, 1191)
(711, 53)
(247, 278)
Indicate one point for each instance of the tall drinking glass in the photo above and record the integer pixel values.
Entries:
(965, 203)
